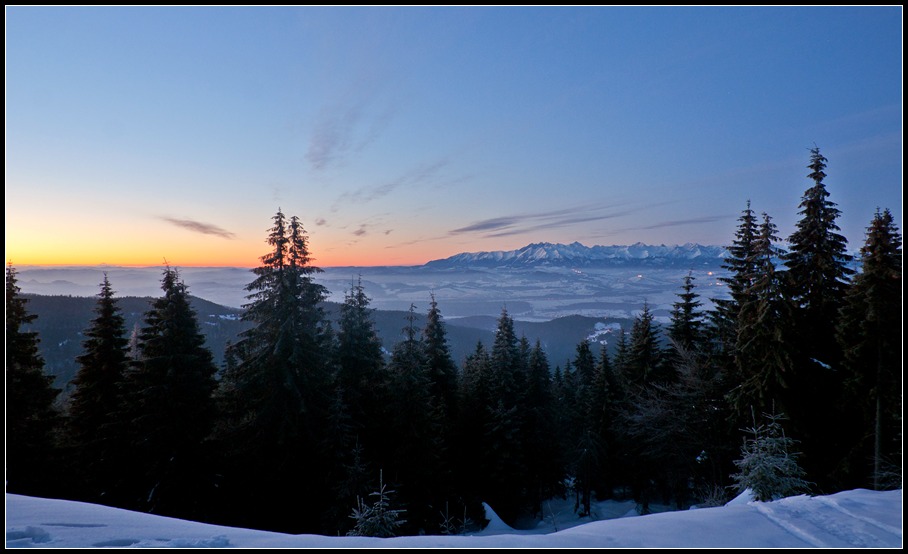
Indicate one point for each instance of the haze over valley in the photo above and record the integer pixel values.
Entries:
(536, 283)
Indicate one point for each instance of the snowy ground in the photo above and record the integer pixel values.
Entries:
(858, 518)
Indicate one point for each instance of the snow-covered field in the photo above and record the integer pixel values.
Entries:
(858, 518)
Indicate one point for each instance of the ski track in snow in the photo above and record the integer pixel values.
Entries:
(822, 529)
(769, 513)
(834, 504)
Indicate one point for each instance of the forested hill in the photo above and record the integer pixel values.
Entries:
(62, 319)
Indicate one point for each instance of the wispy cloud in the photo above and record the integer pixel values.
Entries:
(526, 223)
(345, 128)
(199, 227)
(675, 223)
(333, 134)
(489, 224)
(417, 176)
(681, 222)
(561, 222)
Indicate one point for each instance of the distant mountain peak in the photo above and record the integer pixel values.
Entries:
(547, 254)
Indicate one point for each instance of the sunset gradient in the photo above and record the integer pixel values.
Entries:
(401, 135)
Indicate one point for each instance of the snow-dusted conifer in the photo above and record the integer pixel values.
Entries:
(768, 467)
(378, 519)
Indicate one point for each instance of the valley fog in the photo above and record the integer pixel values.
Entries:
(530, 294)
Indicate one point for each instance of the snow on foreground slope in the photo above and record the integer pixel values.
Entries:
(858, 518)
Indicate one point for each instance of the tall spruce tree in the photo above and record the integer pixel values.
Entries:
(763, 349)
(818, 275)
(362, 377)
(442, 369)
(870, 332)
(31, 415)
(169, 405)
(96, 434)
(818, 271)
(414, 429)
(739, 264)
(503, 459)
(443, 388)
(276, 397)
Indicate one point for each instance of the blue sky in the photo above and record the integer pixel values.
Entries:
(401, 135)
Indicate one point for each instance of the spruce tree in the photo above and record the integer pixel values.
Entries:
(503, 460)
(443, 389)
(414, 429)
(608, 400)
(763, 349)
(818, 275)
(31, 415)
(276, 397)
(645, 361)
(585, 447)
(622, 355)
(540, 450)
(767, 466)
(686, 327)
(818, 271)
(505, 360)
(169, 406)
(379, 519)
(95, 432)
(470, 440)
(442, 369)
(870, 332)
(362, 374)
(739, 264)
(360, 363)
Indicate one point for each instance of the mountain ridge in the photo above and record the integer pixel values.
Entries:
(547, 254)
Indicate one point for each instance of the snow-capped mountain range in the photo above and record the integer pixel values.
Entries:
(545, 254)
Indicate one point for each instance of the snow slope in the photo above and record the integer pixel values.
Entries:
(858, 518)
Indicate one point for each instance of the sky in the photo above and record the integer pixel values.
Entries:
(849, 519)
(399, 135)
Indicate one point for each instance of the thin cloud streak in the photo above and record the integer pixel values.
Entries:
(488, 225)
(527, 223)
(199, 227)
(417, 176)
(560, 223)
(511, 220)
(673, 223)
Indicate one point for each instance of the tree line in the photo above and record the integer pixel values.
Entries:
(304, 422)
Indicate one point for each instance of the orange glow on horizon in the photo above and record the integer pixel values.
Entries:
(240, 257)
(91, 244)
